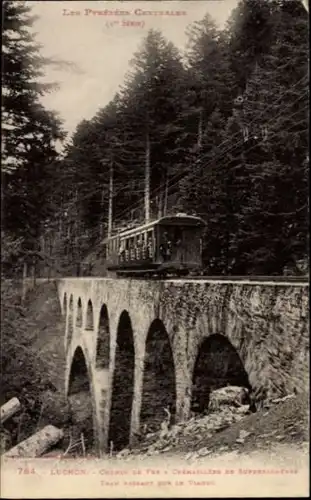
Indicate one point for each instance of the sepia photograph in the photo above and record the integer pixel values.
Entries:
(155, 249)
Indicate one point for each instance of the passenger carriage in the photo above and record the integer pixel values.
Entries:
(171, 244)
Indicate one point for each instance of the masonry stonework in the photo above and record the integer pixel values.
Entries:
(266, 323)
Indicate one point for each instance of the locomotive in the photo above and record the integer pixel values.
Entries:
(168, 245)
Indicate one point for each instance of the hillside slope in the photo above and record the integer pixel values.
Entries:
(230, 429)
(33, 361)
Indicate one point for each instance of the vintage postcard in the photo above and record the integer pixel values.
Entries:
(154, 264)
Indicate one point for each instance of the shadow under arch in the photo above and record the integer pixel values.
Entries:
(80, 401)
(103, 340)
(65, 305)
(123, 385)
(159, 384)
(89, 323)
(79, 314)
(217, 365)
(70, 321)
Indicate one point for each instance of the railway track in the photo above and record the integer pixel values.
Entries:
(292, 279)
(276, 279)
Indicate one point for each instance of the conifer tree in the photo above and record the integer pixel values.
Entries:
(273, 222)
(30, 132)
(152, 100)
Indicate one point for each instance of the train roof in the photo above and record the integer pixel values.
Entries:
(179, 219)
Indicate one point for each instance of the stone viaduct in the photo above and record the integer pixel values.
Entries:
(136, 347)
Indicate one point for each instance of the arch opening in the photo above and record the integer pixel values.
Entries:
(103, 340)
(70, 321)
(159, 384)
(65, 305)
(71, 304)
(89, 324)
(123, 385)
(80, 401)
(217, 365)
(79, 314)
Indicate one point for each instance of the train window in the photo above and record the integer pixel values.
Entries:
(150, 243)
(122, 245)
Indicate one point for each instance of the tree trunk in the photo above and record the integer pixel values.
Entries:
(101, 225)
(24, 285)
(9, 409)
(110, 200)
(158, 202)
(200, 129)
(165, 195)
(37, 444)
(50, 257)
(77, 230)
(33, 272)
(147, 179)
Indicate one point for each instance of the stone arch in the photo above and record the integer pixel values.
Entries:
(159, 384)
(103, 340)
(122, 385)
(79, 317)
(81, 401)
(70, 321)
(89, 320)
(217, 365)
(65, 304)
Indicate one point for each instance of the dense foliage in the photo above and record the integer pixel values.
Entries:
(222, 128)
(29, 131)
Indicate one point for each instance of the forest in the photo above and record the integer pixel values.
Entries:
(221, 128)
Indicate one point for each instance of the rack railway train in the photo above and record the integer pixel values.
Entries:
(170, 245)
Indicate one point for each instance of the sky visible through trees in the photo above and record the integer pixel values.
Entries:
(224, 127)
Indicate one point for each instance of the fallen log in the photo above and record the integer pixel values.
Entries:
(9, 409)
(36, 444)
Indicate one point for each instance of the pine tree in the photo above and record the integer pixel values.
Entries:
(30, 132)
(250, 30)
(152, 101)
(273, 224)
(269, 229)
(211, 82)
